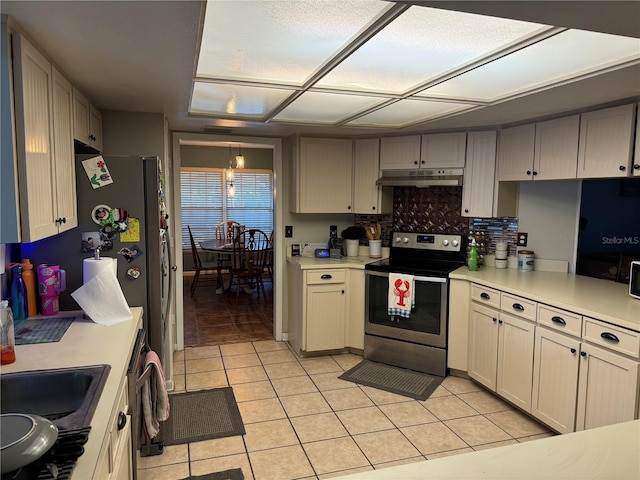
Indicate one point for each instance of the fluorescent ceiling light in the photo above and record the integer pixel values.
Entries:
(382, 64)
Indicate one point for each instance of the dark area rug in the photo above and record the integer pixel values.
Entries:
(234, 474)
(409, 383)
(203, 415)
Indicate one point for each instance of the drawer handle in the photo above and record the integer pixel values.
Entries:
(122, 420)
(326, 276)
(517, 306)
(485, 296)
(609, 336)
(559, 320)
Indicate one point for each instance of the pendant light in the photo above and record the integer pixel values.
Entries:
(239, 158)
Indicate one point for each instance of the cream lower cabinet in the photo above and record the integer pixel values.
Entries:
(555, 379)
(483, 345)
(115, 462)
(354, 323)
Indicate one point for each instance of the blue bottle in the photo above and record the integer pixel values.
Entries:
(18, 295)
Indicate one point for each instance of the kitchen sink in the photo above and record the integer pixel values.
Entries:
(66, 396)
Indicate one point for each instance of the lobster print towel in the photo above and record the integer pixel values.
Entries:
(401, 294)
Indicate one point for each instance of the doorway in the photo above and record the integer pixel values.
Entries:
(273, 144)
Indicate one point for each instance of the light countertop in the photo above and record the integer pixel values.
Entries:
(600, 299)
(611, 452)
(86, 343)
(308, 263)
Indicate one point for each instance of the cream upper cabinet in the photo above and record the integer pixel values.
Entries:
(443, 150)
(606, 142)
(636, 160)
(555, 377)
(516, 153)
(479, 175)
(87, 121)
(322, 176)
(556, 149)
(45, 154)
(368, 198)
(400, 153)
(541, 151)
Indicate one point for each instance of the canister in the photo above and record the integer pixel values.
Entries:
(525, 260)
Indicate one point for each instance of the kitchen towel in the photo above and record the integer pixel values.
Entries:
(155, 399)
(102, 300)
(401, 294)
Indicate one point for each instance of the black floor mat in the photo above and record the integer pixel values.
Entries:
(203, 415)
(234, 474)
(393, 379)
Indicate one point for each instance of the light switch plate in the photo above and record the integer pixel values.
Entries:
(288, 231)
(522, 239)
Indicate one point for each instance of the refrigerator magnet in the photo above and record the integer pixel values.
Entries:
(100, 214)
(97, 172)
(130, 253)
(133, 273)
(132, 234)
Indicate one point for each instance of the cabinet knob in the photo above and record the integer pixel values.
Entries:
(415, 162)
(535, 173)
(373, 208)
(622, 168)
(122, 420)
(422, 162)
(636, 166)
(466, 210)
(500, 321)
(583, 354)
(573, 350)
(343, 292)
(528, 172)
(348, 207)
(494, 320)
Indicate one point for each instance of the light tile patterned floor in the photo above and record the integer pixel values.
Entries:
(302, 422)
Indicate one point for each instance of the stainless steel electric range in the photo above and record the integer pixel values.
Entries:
(415, 339)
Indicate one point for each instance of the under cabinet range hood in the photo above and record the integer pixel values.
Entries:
(428, 177)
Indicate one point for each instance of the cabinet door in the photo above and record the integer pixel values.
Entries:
(459, 303)
(483, 345)
(443, 150)
(515, 360)
(95, 127)
(64, 160)
(398, 153)
(636, 160)
(325, 317)
(479, 175)
(606, 141)
(555, 379)
(355, 309)
(81, 117)
(556, 150)
(33, 110)
(368, 198)
(608, 388)
(324, 181)
(515, 153)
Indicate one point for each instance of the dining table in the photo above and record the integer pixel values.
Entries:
(221, 247)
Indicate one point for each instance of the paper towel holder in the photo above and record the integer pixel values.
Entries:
(96, 253)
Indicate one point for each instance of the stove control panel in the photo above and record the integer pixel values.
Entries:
(427, 241)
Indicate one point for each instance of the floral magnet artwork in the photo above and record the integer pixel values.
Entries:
(97, 172)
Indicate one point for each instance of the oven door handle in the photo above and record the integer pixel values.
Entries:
(416, 278)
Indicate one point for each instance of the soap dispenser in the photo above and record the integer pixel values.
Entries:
(473, 256)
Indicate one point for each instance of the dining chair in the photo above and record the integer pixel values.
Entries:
(198, 265)
(268, 262)
(248, 259)
(227, 230)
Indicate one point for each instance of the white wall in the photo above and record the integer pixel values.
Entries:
(548, 211)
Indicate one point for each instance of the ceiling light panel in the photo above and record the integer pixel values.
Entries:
(407, 112)
(568, 55)
(327, 108)
(235, 100)
(282, 41)
(423, 43)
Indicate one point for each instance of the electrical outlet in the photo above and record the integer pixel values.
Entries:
(522, 239)
(288, 231)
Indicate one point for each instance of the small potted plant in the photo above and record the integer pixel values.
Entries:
(352, 237)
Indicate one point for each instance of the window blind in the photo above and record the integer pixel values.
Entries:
(205, 203)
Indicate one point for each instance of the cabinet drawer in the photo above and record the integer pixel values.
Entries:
(518, 306)
(560, 320)
(318, 277)
(485, 295)
(614, 338)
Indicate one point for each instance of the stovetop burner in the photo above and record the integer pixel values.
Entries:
(58, 463)
(425, 254)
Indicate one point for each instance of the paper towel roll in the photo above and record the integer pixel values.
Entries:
(91, 267)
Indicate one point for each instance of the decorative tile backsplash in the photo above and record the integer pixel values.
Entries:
(437, 210)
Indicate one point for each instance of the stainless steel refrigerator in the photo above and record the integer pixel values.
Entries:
(146, 277)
